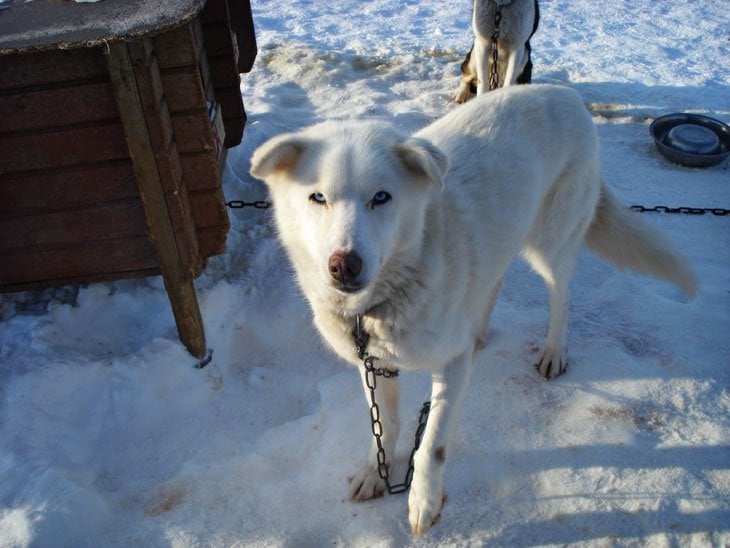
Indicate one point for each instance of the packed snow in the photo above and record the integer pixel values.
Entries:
(109, 436)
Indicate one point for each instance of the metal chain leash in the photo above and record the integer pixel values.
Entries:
(717, 211)
(493, 73)
(686, 210)
(371, 374)
(240, 204)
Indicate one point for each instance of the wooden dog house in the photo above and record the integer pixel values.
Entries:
(114, 123)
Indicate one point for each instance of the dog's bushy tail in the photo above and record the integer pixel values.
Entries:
(628, 241)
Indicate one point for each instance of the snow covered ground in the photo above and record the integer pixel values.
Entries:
(110, 437)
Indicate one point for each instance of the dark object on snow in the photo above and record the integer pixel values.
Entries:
(114, 123)
(691, 139)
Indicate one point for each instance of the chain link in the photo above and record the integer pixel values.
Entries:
(685, 210)
(240, 204)
(371, 375)
(493, 73)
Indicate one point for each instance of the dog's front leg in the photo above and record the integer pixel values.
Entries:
(515, 62)
(482, 59)
(447, 395)
(367, 483)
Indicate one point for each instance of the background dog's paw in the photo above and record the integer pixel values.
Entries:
(463, 95)
(552, 363)
(366, 483)
(424, 510)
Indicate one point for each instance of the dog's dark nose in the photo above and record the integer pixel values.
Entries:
(345, 267)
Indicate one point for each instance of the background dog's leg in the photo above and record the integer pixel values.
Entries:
(468, 79)
(514, 61)
(525, 76)
(463, 94)
(367, 483)
(447, 395)
(481, 56)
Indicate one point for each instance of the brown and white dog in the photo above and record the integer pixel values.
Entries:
(519, 20)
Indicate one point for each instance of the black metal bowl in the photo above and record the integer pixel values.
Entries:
(691, 139)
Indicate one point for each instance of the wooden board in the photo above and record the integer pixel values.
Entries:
(127, 63)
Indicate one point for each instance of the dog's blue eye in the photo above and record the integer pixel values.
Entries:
(317, 198)
(380, 198)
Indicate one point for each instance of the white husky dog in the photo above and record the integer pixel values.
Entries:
(414, 234)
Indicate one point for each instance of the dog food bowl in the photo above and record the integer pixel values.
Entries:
(691, 139)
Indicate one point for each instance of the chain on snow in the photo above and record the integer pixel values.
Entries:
(685, 210)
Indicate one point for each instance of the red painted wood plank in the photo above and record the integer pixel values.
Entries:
(105, 259)
(184, 88)
(208, 208)
(180, 47)
(50, 67)
(212, 240)
(63, 147)
(94, 222)
(58, 106)
(51, 190)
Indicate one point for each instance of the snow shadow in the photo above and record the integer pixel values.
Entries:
(638, 456)
(284, 107)
(616, 525)
(616, 102)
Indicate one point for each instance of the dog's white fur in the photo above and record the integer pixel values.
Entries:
(515, 170)
(518, 17)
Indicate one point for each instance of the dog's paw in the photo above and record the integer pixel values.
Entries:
(552, 363)
(424, 509)
(463, 95)
(366, 483)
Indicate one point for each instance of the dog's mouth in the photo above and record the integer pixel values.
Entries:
(348, 287)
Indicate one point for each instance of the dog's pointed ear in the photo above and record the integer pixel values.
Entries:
(423, 159)
(278, 155)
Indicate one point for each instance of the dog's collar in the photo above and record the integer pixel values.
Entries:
(362, 338)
